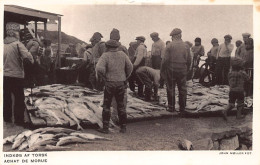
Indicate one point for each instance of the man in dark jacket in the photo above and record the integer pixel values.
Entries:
(115, 67)
(174, 68)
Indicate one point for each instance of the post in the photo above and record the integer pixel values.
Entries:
(45, 29)
(59, 41)
(35, 29)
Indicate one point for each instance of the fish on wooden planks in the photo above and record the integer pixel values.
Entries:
(71, 140)
(83, 113)
(73, 117)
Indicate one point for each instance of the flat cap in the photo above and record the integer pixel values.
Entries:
(214, 40)
(197, 39)
(96, 36)
(112, 43)
(114, 35)
(154, 34)
(228, 36)
(175, 32)
(141, 38)
(13, 26)
(235, 61)
(246, 34)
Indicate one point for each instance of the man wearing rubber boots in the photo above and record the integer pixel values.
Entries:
(174, 70)
(116, 67)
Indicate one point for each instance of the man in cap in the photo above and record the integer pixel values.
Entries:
(15, 54)
(157, 50)
(114, 35)
(140, 54)
(242, 48)
(174, 67)
(116, 68)
(98, 49)
(223, 61)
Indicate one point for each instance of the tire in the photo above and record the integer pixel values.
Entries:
(206, 76)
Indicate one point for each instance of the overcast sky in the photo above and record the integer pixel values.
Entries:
(205, 21)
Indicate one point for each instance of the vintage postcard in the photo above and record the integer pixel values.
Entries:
(129, 82)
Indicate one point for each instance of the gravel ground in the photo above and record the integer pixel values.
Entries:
(157, 134)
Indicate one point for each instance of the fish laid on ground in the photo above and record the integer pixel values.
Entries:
(21, 138)
(55, 148)
(70, 140)
(53, 130)
(89, 136)
(33, 139)
(9, 139)
(59, 135)
(23, 146)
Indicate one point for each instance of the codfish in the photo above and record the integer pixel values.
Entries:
(55, 148)
(33, 139)
(21, 138)
(89, 136)
(53, 130)
(23, 146)
(73, 117)
(82, 113)
(70, 140)
(9, 139)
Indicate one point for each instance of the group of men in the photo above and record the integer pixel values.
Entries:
(113, 67)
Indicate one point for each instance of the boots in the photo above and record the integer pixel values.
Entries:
(226, 110)
(240, 108)
(105, 128)
(123, 128)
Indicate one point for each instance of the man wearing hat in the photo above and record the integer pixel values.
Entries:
(157, 50)
(174, 67)
(223, 61)
(98, 49)
(116, 68)
(14, 55)
(114, 35)
(140, 54)
(242, 48)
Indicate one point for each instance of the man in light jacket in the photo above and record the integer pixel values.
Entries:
(115, 67)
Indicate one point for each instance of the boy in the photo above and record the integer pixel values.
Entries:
(237, 79)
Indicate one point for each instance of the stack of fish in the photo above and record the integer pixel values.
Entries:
(62, 105)
(49, 138)
(201, 99)
(69, 106)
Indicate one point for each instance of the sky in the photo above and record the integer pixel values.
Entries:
(204, 21)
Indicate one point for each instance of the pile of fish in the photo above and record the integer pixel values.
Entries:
(63, 105)
(201, 99)
(69, 106)
(49, 138)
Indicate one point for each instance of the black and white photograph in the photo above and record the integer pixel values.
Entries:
(80, 80)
